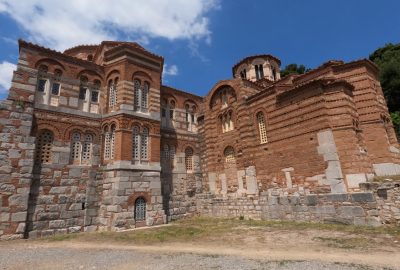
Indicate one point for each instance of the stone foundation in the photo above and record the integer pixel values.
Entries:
(363, 208)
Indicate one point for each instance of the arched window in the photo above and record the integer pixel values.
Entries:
(172, 152)
(109, 141)
(171, 109)
(259, 71)
(112, 142)
(144, 144)
(229, 154)
(112, 92)
(165, 152)
(87, 149)
(136, 143)
(145, 93)
(75, 148)
(136, 85)
(189, 159)
(43, 147)
(140, 209)
(261, 127)
(141, 95)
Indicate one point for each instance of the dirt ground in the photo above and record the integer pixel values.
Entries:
(207, 244)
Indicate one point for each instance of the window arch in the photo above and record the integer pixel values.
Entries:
(75, 147)
(259, 71)
(141, 95)
(112, 93)
(229, 154)
(87, 148)
(140, 209)
(262, 127)
(226, 121)
(109, 141)
(112, 141)
(165, 152)
(189, 158)
(81, 148)
(144, 143)
(43, 147)
(140, 144)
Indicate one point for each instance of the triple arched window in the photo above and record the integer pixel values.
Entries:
(262, 127)
(44, 144)
(81, 148)
(112, 93)
(140, 144)
(109, 142)
(141, 95)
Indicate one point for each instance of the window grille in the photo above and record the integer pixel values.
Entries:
(140, 209)
(172, 152)
(229, 154)
(112, 100)
(261, 127)
(107, 144)
(145, 93)
(41, 87)
(112, 142)
(95, 96)
(87, 148)
(43, 147)
(82, 93)
(55, 89)
(166, 152)
(136, 142)
(189, 158)
(75, 147)
(137, 94)
(144, 143)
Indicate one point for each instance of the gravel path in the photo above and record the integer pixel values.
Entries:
(39, 257)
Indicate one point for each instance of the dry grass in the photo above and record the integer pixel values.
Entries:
(203, 229)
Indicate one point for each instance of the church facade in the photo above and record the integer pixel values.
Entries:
(92, 140)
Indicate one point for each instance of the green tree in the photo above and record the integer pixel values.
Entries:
(387, 59)
(293, 69)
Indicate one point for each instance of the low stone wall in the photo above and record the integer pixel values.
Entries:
(364, 208)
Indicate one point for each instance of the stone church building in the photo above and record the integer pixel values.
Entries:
(91, 139)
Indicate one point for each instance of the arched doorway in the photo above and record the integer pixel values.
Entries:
(140, 211)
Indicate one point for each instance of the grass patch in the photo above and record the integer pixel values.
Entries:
(345, 243)
(224, 229)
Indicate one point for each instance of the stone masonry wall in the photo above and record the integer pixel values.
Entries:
(16, 163)
(364, 208)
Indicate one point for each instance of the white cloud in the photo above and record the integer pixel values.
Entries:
(6, 73)
(62, 24)
(170, 70)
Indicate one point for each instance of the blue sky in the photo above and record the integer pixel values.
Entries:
(202, 39)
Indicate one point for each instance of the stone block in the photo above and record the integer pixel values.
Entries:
(336, 197)
(58, 190)
(20, 200)
(311, 200)
(362, 197)
(351, 211)
(20, 228)
(56, 224)
(75, 172)
(18, 217)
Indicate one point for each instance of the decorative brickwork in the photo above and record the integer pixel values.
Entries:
(90, 139)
